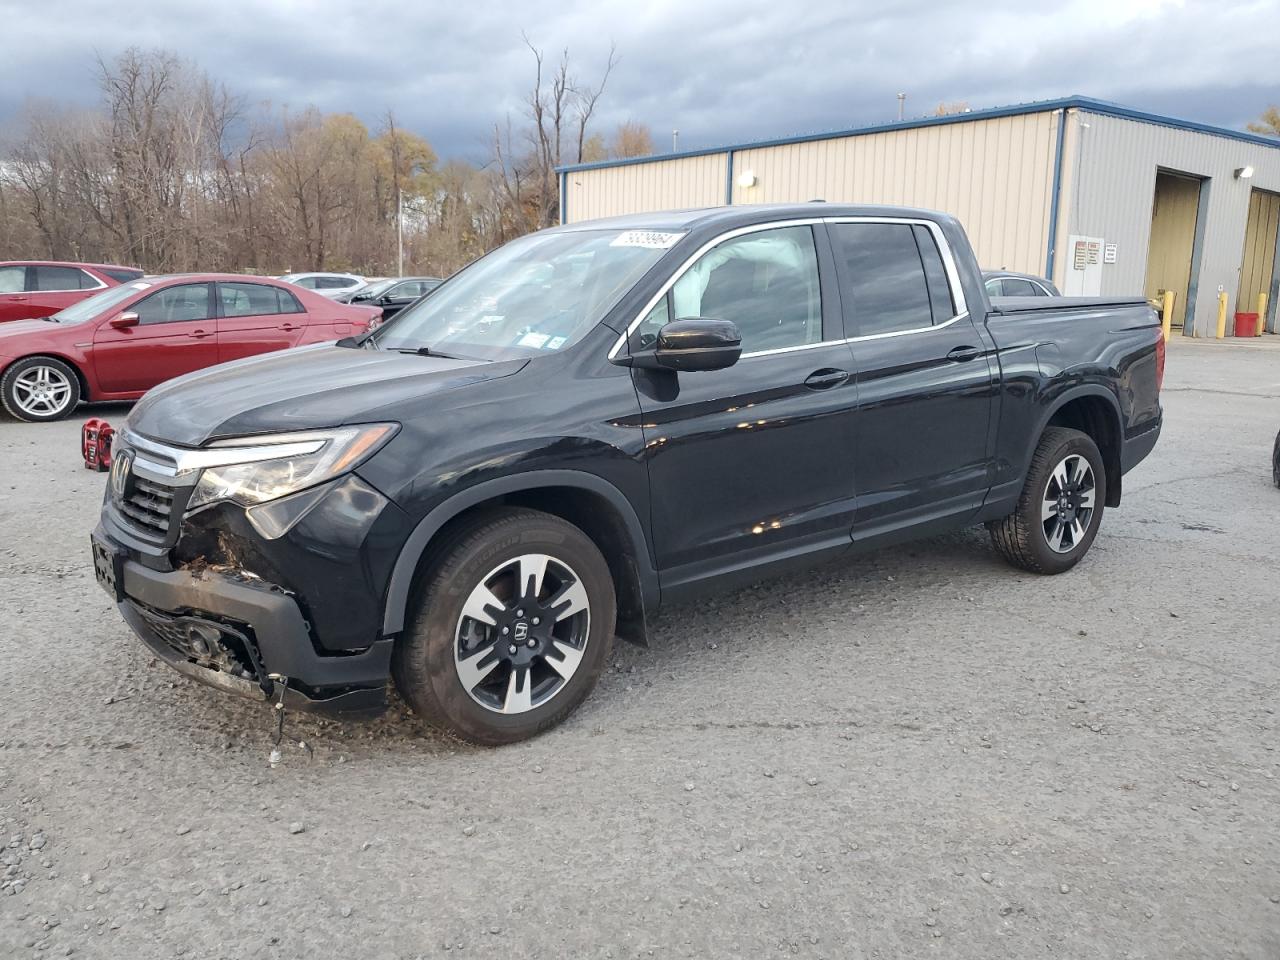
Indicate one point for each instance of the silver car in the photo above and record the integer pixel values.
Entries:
(326, 284)
(1006, 283)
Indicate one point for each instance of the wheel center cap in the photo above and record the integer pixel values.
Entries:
(520, 631)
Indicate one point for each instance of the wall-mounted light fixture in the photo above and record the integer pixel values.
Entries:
(1244, 173)
(747, 178)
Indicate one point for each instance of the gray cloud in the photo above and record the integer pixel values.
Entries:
(720, 71)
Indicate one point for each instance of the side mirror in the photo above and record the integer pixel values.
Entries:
(127, 319)
(691, 344)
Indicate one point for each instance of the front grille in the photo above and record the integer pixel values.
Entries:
(148, 505)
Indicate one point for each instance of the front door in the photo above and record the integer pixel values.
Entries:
(926, 387)
(175, 334)
(751, 463)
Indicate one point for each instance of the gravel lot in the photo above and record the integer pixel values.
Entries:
(917, 753)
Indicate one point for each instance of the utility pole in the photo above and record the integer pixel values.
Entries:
(399, 232)
(902, 103)
(675, 141)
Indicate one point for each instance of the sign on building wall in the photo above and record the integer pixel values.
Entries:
(1084, 273)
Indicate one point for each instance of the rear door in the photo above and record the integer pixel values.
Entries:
(13, 293)
(175, 334)
(51, 288)
(752, 463)
(256, 318)
(926, 387)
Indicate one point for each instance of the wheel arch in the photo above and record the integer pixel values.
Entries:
(589, 502)
(1094, 411)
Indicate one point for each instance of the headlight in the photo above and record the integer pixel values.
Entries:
(253, 470)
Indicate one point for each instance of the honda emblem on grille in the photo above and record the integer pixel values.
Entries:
(119, 477)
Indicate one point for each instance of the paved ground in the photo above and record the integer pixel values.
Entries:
(921, 753)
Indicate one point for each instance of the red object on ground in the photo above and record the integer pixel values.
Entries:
(96, 437)
(131, 337)
(1246, 324)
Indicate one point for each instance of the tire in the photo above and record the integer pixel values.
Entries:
(518, 688)
(38, 389)
(1047, 511)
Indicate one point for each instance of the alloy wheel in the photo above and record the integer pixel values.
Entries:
(42, 391)
(522, 634)
(1067, 508)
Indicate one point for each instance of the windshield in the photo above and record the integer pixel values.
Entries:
(537, 294)
(374, 289)
(99, 303)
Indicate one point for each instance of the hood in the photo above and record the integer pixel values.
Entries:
(304, 389)
(16, 329)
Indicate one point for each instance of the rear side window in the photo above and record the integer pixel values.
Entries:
(1017, 287)
(334, 283)
(255, 299)
(123, 276)
(187, 301)
(13, 279)
(891, 279)
(310, 283)
(62, 278)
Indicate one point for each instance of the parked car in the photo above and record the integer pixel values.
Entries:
(392, 296)
(599, 419)
(1003, 283)
(123, 341)
(329, 285)
(31, 289)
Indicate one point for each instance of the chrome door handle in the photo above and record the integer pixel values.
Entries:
(964, 354)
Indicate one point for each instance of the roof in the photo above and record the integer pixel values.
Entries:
(745, 214)
(65, 263)
(1087, 104)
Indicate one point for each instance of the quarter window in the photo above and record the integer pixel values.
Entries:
(187, 301)
(123, 276)
(1017, 287)
(892, 277)
(62, 278)
(765, 282)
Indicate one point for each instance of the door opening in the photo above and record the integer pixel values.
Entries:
(1257, 263)
(1173, 234)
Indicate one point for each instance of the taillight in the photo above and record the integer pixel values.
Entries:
(1160, 352)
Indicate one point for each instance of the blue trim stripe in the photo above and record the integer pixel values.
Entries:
(1087, 104)
(564, 197)
(728, 179)
(1057, 195)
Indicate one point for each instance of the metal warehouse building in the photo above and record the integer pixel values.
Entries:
(1101, 198)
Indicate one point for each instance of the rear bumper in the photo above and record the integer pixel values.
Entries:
(242, 635)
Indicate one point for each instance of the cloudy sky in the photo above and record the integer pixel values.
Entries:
(719, 70)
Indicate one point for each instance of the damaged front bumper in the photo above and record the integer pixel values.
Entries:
(248, 601)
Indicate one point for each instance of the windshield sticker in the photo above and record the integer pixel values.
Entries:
(535, 340)
(651, 239)
(555, 343)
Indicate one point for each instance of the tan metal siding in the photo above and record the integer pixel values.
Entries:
(994, 175)
(641, 187)
(1259, 249)
(1116, 161)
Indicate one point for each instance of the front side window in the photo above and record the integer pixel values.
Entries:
(13, 279)
(187, 301)
(255, 299)
(765, 282)
(891, 277)
(100, 304)
(536, 294)
(62, 278)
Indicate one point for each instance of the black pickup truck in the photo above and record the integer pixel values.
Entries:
(599, 419)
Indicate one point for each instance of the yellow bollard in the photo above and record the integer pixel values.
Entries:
(1262, 313)
(1222, 314)
(1166, 314)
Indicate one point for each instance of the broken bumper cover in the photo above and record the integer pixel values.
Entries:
(238, 635)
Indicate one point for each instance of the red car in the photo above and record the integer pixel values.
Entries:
(123, 341)
(39, 288)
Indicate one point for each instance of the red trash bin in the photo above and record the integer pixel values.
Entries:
(1246, 324)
